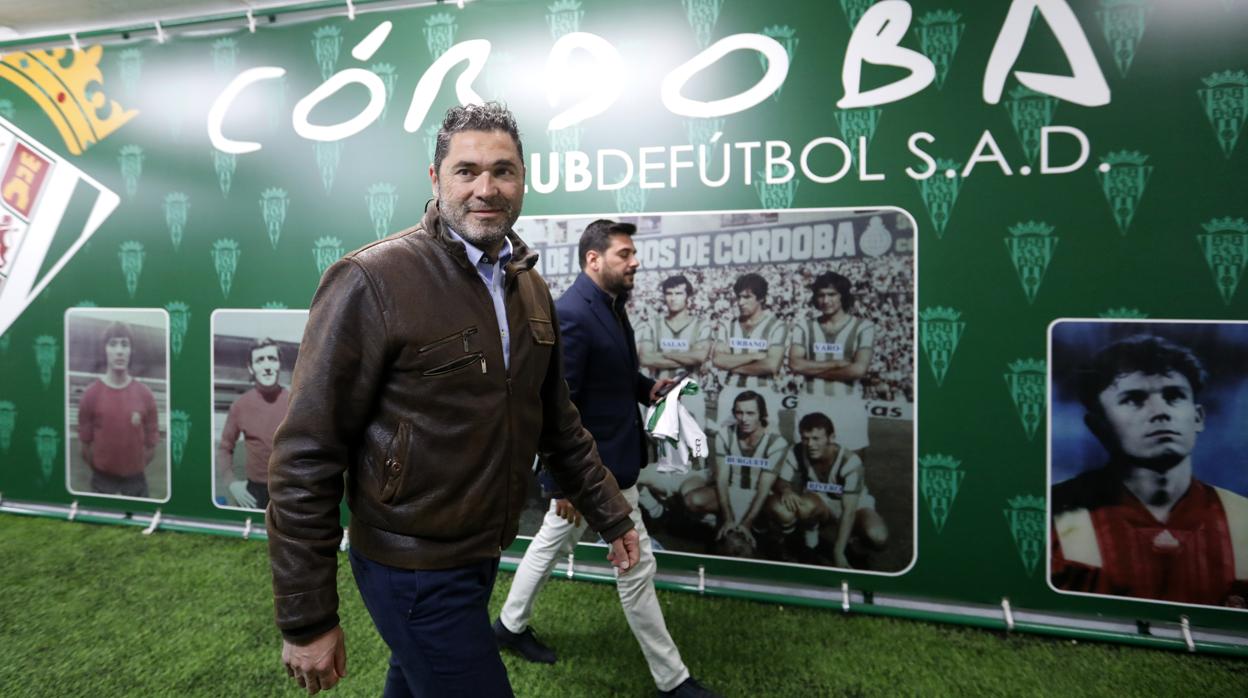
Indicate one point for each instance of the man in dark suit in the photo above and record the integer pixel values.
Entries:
(606, 385)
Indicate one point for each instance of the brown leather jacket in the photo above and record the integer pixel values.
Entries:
(400, 384)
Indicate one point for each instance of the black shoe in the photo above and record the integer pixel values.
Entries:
(690, 688)
(524, 644)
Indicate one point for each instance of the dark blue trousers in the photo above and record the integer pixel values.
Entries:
(437, 625)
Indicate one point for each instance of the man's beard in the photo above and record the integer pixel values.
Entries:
(619, 286)
(482, 235)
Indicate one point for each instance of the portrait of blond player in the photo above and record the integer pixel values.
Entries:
(117, 386)
(750, 347)
(747, 457)
(833, 350)
(1144, 524)
(828, 501)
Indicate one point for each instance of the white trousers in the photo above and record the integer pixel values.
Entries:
(636, 589)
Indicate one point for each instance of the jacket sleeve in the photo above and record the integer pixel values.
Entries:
(569, 453)
(333, 391)
(644, 385)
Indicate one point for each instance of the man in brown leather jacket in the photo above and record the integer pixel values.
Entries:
(430, 374)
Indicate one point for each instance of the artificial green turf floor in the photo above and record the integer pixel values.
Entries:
(91, 610)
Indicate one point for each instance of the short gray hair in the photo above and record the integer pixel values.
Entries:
(491, 116)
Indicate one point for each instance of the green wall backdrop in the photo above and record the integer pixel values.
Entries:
(1133, 204)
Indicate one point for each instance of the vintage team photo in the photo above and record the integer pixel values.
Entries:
(798, 329)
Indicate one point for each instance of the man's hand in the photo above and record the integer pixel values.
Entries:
(238, 488)
(791, 500)
(659, 385)
(567, 512)
(625, 551)
(318, 665)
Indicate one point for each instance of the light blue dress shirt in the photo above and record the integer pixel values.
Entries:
(491, 273)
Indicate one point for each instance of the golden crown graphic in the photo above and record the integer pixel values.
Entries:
(68, 86)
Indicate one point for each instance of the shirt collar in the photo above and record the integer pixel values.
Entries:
(475, 253)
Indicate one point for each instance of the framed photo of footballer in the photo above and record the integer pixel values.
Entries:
(1148, 460)
(117, 396)
(253, 357)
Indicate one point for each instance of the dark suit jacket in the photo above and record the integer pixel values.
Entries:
(604, 378)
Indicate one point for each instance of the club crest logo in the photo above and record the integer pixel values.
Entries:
(326, 45)
(940, 330)
(225, 253)
(630, 198)
(1031, 247)
(381, 199)
(702, 14)
(1026, 381)
(46, 440)
(565, 140)
(1123, 313)
(564, 17)
(326, 251)
(224, 56)
(131, 255)
(1123, 22)
(130, 70)
(224, 165)
(1225, 244)
(274, 203)
(69, 87)
(939, 481)
(857, 124)
(431, 140)
(775, 196)
(179, 432)
(939, 34)
(328, 153)
(179, 323)
(854, 10)
(130, 157)
(1225, 99)
(177, 208)
(1123, 176)
(1028, 525)
(389, 77)
(703, 134)
(439, 33)
(786, 36)
(8, 422)
(1030, 111)
(46, 351)
(940, 192)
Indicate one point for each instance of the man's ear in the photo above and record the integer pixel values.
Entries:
(1200, 418)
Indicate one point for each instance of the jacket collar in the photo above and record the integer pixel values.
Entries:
(522, 257)
(600, 304)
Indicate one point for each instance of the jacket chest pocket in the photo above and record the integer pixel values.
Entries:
(451, 354)
(543, 331)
